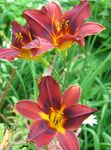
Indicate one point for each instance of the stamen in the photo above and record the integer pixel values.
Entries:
(53, 25)
(56, 119)
(19, 36)
(62, 23)
(67, 23)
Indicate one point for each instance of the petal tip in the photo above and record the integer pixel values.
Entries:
(94, 110)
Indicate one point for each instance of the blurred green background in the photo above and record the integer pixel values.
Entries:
(88, 66)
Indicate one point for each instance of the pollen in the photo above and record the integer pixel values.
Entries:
(64, 24)
(63, 28)
(67, 22)
(19, 36)
(56, 119)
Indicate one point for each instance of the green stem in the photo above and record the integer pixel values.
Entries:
(65, 67)
(46, 64)
(33, 69)
(5, 38)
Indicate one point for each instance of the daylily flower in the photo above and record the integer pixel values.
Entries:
(62, 29)
(55, 115)
(23, 45)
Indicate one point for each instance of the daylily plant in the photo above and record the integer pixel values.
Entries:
(23, 44)
(62, 29)
(55, 115)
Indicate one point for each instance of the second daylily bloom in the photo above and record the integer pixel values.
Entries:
(55, 115)
(23, 45)
(62, 29)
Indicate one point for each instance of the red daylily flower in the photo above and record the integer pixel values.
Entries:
(55, 115)
(23, 45)
(62, 29)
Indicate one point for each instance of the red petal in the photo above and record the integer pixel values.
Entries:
(49, 95)
(65, 42)
(40, 133)
(39, 46)
(8, 53)
(68, 141)
(77, 15)
(40, 23)
(71, 95)
(90, 28)
(45, 45)
(33, 44)
(80, 40)
(28, 109)
(76, 114)
(18, 29)
(53, 10)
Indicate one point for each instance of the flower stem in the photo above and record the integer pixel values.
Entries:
(33, 70)
(4, 36)
(45, 63)
(65, 67)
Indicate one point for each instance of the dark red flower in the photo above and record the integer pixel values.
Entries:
(23, 45)
(62, 29)
(55, 115)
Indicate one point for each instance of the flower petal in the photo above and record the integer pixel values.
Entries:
(77, 15)
(8, 53)
(90, 28)
(49, 95)
(39, 46)
(53, 10)
(76, 114)
(40, 23)
(20, 32)
(40, 133)
(45, 45)
(33, 44)
(68, 141)
(66, 41)
(80, 40)
(71, 95)
(28, 109)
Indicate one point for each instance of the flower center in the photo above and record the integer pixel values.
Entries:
(56, 119)
(63, 26)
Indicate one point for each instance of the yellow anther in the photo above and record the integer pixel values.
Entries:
(55, 119)
(67, 22)
(61, 24)
(19, 36)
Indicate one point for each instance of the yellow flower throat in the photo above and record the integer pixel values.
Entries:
(55, 119)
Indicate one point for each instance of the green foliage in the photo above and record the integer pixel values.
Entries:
(90, 67)
(2, 128)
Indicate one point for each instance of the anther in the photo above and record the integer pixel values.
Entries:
(67, 23)
(19, 36)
